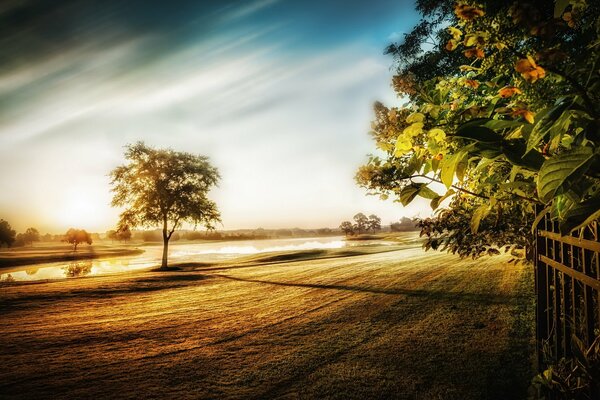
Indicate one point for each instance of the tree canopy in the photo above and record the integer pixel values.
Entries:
(77, 237)
(502, 108)
(163, 187)
(7, 234)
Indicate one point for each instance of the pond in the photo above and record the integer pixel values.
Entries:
(185, 252)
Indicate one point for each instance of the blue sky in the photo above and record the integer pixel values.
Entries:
(277, 93)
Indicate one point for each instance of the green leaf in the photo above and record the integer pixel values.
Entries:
(461, 167)
(476, 130)
(515, 152)
(408, 193)
(435, 203)
(427, 167)
(427, 193)
(488, 151)
(558, 173)
(580, 215)
(480, 213)
(559, 7)
(499, 124)
(449, 165)
(545, 120)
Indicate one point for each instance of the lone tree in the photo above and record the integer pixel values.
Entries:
(163, 187)
(7, 234)
(76, 237)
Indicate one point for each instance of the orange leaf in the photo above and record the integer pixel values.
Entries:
(509, 91)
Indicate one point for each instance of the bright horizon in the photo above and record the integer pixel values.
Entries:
(275, 94)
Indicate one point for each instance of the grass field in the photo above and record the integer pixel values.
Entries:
(401, 324)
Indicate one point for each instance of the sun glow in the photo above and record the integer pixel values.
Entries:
(79, 208)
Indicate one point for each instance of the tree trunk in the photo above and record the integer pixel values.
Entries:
(165, 252)
(164, 264)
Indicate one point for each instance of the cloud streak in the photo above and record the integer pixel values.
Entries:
(285, 121)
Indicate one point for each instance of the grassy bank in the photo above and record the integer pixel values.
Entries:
(400, 324)
(55, 253)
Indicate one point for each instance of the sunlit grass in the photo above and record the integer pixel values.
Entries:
(400, 324)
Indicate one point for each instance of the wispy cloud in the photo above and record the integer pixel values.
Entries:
(286, 128)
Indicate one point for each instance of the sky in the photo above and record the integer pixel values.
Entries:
(278, 93)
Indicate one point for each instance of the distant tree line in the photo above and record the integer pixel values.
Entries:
(405, 224)
(122, 234)
(362, 224)
(10, 238)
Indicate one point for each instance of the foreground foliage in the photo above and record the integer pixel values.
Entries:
(503, 111)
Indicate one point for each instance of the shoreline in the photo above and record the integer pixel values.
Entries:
(20, 260)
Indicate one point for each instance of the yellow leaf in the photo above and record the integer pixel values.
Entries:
(456, 33)
(415, 117)
(480, 213)
(451, 45)
(403, 146)
(414, 129)
(437, 134)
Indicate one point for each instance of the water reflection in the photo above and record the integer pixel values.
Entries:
(180, 252)
(75, 269)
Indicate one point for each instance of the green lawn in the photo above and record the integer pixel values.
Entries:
(397, 324)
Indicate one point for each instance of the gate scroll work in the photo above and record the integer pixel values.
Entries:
(567, 284)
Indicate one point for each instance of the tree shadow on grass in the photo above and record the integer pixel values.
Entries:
(436, 295)
(105, 291)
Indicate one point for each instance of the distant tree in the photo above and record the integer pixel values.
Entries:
(123, 234)
(151, 236)
(31, 235)
(112, 235)
(405, 224)
(374, 223)
(76, 237)
(7, 234)
(361, 223)
(162, 187)
(323, 231)
(347, 228)
(47, 237)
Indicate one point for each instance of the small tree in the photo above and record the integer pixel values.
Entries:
(112, 235)
(361, 223)
(123, 234)
(162, 187)
(347, 228)
(7, 234)
(31, 235)
(374, 223)
(76, 237)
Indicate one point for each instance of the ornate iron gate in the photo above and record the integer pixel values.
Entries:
(567, 281)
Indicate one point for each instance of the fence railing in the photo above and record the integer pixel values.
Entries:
(567, 281)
